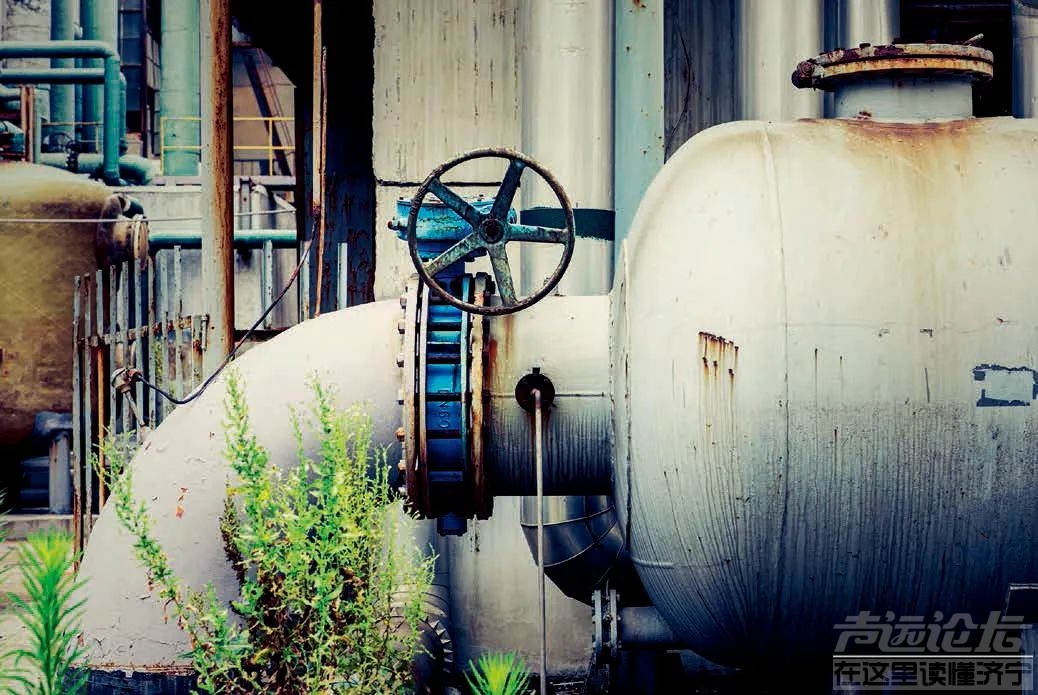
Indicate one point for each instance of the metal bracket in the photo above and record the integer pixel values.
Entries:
(605, 625)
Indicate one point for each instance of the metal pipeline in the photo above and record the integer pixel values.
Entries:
(584, 546)
(111, 77)
(63, 97)
(1025, 58)
(133, 169)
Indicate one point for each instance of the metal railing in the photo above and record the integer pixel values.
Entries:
(127, 317)
(269, 147)
(79, 128)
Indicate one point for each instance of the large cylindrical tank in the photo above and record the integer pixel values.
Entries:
(37, 267)
(825, 377)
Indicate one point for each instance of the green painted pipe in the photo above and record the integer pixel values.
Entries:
(100, 20)
(52, 76)
(112, 72)
(63, 97)
(243, 238)
(133, 169)
(122, 113)
(180, 95)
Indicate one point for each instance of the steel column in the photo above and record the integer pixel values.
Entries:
(217, 180)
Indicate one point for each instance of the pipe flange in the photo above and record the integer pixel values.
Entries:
(825, 70)
(605, 626)
(482, 499)
(407, 362)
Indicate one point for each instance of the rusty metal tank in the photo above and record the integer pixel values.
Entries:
(37, 265)
(825, 364)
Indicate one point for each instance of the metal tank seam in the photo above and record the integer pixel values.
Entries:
(776, 210)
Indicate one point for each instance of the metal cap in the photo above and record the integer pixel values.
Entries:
(825, 70)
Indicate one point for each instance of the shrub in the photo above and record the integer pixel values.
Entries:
(498, 674)
(321, 606)
(50, 613)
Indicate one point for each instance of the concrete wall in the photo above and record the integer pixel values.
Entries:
(446, 81)
(27, 20)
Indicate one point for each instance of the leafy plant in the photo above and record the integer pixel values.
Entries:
(51, 615)
(322, 606)
(498, 674)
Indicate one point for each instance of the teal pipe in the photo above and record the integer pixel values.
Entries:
(123, 144)
(133, 169)
(180, 94)
(62, 96)
(52, 76)
(112, 73)
(243, 238)
(100, 19)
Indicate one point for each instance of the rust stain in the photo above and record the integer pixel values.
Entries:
(718, 354)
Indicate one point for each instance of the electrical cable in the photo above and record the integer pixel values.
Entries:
(135, 375)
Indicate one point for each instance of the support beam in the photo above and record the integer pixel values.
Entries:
(217, 180)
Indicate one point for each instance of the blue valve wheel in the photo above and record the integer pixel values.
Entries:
(491, 232)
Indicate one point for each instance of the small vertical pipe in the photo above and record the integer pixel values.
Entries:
(638, 107)
(217, 181)
(539, 465)
(63, 96)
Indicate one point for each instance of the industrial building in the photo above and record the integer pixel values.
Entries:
(695, 328)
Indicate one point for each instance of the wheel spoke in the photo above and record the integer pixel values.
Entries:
(455, 202)
(506, 193)
(543, 235)
(503, 274)
(452, 255)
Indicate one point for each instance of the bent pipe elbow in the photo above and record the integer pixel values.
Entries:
(584, 546)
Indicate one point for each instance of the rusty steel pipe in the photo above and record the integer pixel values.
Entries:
(217, 180)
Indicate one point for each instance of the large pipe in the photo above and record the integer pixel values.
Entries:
(63, 16)
(112, 73)
(186, 452)
(217, 180)
(567, 125)
(1025, 58)
(774, 36)
(179, 98)
(100, 20)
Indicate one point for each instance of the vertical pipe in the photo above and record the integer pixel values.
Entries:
(63, 96)
(100, 20)
(217, 180)
(112, 120)
(179, 98)
(539, 465)
(1025, 58)
(567, 125)
(638, 107)
(775, 36)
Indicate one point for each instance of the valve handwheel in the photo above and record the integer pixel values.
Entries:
(491, 232)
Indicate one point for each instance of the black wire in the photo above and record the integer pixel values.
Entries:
(136, 375)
